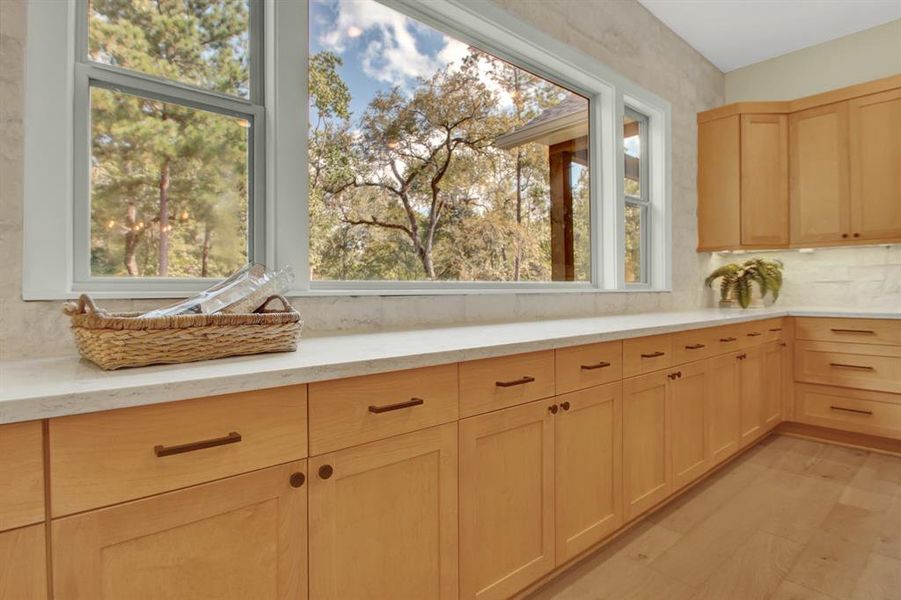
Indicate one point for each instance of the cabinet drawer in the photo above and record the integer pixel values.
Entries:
(773, 330)
(696, 344)
(494, 383)
(347, 412)
(109, 457)
(21, 474)
(754, 333)
(646, 354)
(862, 411)
(849, 365)
(581, 367)
(728, 338)
(858, 331)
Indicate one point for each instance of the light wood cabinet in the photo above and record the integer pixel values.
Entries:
(774, 359)
(861, 411)
(647, 477)
(820, 193)
(751, 389)
(23, 564)
(240, 537)
(719, 184)
(506, 500)
(875, 138)
(687, 405)
(862, 366)
(383, 518)
(21, 474)
(764, 180)
(494, 383)
(724, 420)
(588, 468)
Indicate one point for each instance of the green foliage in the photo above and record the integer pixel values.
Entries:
(736, 279)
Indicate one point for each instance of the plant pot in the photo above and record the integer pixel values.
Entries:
(756, 297)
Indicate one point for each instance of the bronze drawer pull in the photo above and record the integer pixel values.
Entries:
(844, 366)
(863, 331)
(520, 381)
(599, 365)
(852, 410)
(754, 334)
(774, 329)
(727, 339)
(232, 438)
(695, 346)
(653, 354)
(398, 406)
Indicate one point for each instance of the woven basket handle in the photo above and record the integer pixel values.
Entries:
(79, 308)
(286, 306)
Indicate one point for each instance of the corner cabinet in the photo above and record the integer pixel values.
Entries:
(818, 171)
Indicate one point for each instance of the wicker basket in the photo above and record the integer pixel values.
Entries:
(116, 340)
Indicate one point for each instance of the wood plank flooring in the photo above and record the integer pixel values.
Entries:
(792, 519)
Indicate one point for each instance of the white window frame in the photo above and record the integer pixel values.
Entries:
(642, 201)
(54, 79)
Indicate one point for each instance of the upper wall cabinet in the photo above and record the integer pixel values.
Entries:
(819, 171)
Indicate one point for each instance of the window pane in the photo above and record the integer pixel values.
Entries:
(169, 188)
(200, 42)
(634, 218)
(632, 154)
(433, 160)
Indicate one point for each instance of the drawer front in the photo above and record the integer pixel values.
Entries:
(849, 365)
(856, 331)
(494, 383)
(696, 344)
(647, 354)
(21, 474)
(753, 333)
(728, 338)
(109, 457)
(582, 367)
(862, 411)
(773, 330)
(352, 411)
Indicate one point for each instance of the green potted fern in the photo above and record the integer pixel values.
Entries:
(737, 282)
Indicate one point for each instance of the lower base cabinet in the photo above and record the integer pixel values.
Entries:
(23, 563)
(506, 499)
(688, 403)
(751, 389)
(647, 474)
(724, 402)
(775, 356)
(383, 518)
(241, 537)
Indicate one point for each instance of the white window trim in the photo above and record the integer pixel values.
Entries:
(50, 86)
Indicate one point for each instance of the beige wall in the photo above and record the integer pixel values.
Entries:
(863, 56)
(621, 34)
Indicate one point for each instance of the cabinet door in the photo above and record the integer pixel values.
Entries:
(718, 184)
(773, 378)
(751, 389)
(241, 537)
(383, 518)
(764, 180)
(724, 421)
(23, 564)
(687, 406)
(506, 500)
(875, 125)
(820, 194)
(646, 465)
(588, 467)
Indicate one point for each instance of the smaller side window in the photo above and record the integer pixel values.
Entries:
(636, 197)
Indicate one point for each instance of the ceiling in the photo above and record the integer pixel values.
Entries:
(736, 33)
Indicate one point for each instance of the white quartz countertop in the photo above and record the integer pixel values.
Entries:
(55, 387)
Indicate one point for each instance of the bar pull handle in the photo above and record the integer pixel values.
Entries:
(853, 331)
(754, 334)
(232, 438)
(695, 346)
(775, 329)
(599, 365)
(521, 381)
(859, 367)
(389, 407)
(856, 411)
(727, 339)
(653, 354)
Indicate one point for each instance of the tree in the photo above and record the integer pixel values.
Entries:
(168, 178)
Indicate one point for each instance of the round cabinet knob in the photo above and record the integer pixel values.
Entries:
(856, 235)
(844, 235)
(564, 405)
(297, 479)
(325, 471)
(553, 409)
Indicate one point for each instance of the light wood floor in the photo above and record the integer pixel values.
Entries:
(791, 519)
